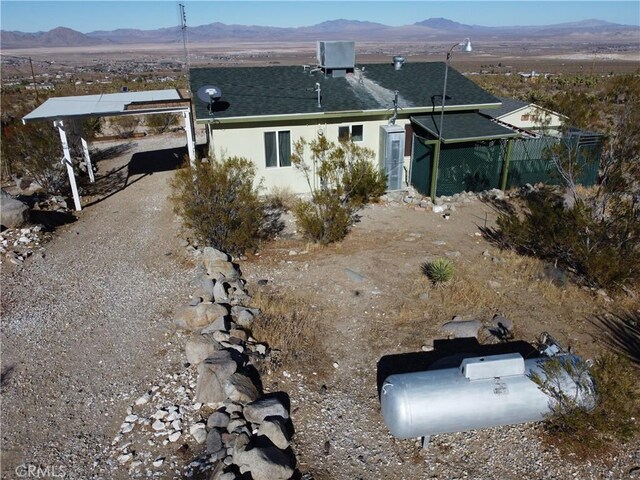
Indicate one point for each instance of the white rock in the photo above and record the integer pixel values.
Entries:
(172, 416)
(174, 436)
(143, 399)
(158, 425)
(176, 425)
(126, 427)
(158, 462)
(131, 418)
(125, 458)
(200, 436)
(198, 432)
(160, 414)
(196, 426)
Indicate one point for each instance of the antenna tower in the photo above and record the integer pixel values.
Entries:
(183, 27)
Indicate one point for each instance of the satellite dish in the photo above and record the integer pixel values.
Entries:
(209, 94)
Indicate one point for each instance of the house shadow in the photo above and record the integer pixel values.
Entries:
(446, 354)
(143, 163)
(140, 165)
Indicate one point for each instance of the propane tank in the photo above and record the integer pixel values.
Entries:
(481, 392)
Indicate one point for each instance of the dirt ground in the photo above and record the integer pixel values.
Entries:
(87, 325)
(369, 300)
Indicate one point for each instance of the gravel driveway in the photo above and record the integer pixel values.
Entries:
(84, 325)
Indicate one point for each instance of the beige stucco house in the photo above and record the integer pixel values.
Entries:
(258, 112)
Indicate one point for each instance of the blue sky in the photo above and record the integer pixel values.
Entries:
(86, 16)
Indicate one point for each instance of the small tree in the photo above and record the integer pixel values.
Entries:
(34, 151)
(125, 126)
(220, 204)
(341, 179)
(161, 122)
(602, 410)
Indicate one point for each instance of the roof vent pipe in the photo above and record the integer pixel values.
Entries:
(398, 60)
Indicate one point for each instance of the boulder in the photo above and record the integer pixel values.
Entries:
(257, 411)
(213, 376)
(220, 292)
(239, 388)
(459, 328)
(198, 316)
(210, 254)
(268, 463)
(275, 429)
(204, 288)
(219, 269)
(220, 324)
(199, 348)
(244, 318)
(218, 419)
(13, 213)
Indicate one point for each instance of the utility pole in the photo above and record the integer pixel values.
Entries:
(183, 27)
(33, 75)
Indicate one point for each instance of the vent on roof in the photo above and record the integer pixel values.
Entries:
(336, 58)
(398, 61)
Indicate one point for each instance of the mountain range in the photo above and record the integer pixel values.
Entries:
(430, 30)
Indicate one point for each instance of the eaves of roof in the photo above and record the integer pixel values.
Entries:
(463, 127)
(322, 116)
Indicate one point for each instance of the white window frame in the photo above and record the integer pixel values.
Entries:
(350, 127)
(278, 157)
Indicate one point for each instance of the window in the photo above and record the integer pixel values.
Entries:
(353, 131)
(277, 148)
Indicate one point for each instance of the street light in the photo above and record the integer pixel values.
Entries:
(466, 47)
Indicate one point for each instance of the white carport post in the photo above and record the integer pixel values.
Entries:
(59, 124)
(188, 128)
(79, 132)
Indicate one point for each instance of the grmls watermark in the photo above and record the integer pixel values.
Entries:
(29, 470)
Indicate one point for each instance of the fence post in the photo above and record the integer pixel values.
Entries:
(505, 165)
(434, 172)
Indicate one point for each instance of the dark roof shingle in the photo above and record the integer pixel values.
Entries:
(289, 90)
(459, 127)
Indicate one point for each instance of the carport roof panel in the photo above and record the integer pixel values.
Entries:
(96, 105)
(460, 127)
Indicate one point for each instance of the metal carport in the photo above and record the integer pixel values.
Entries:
(71, 109)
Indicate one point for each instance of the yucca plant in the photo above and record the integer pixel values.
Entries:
(440, 271)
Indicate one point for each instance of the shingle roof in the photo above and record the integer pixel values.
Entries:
(508, 105)
(463, 127)
(289, 90)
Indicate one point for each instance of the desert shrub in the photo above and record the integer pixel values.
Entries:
(585, 430)
(218, 201)
(282, 198)
(161, 122)
(364, 182)
(125, 126)
(323, 219)
(341, 179)
(34, 151)
(440, 271)
(604, 251)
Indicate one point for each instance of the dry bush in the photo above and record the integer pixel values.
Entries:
(587, 433)
(125, 126)
(286, 324)
(219, 203)
(282, 198)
